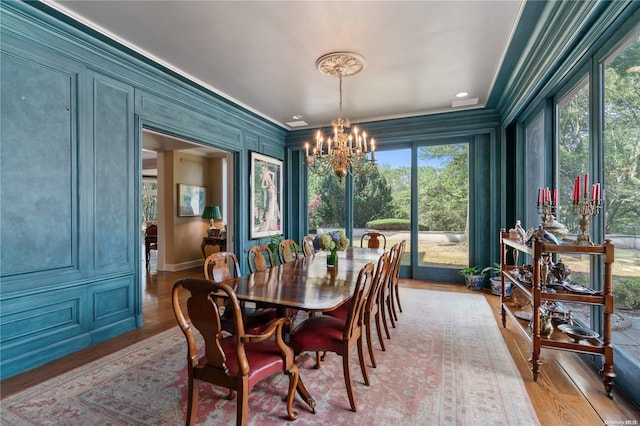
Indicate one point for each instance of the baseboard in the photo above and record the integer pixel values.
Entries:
(170, 267)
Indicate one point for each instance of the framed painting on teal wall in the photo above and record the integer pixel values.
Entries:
(266, 196)
(191, 199)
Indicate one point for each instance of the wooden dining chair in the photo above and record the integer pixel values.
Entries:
(372, 240)
(331, 334)
(394, 291)
(237, 362)
(288, 251)
(307, 246)
(386, 292)
(259, 258)
(221, 267)
(150, 241)
(374, 306)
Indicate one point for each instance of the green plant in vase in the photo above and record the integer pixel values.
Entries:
(473, 277)
(493, 273)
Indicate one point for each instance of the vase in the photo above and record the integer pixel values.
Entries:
(332, 259)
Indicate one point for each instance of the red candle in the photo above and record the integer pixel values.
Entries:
(597, 191)
(576, 189)
(586, 183)
(547, 197)
(593, 192)
(555, 196)
(538, 196)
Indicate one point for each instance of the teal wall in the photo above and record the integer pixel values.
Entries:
(73, 109)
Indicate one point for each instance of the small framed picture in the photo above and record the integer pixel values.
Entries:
(191, 199)
(266, 196)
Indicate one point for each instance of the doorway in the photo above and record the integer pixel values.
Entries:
(166, 162)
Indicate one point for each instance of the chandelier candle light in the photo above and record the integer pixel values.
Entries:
(343, 153)
(585, 206)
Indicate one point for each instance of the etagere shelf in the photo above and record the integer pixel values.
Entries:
(538, 294)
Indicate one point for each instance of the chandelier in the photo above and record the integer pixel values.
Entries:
(343, 153)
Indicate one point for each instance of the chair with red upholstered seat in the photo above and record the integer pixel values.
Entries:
(372, 240)
(331, 334)
(223, 266)
(236, 362)
(374, 306)
(150, 240)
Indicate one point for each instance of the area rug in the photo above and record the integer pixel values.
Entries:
(446, 364)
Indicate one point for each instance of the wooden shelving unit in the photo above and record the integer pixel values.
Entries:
(535, 292)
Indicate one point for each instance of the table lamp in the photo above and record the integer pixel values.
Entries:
(212, 213)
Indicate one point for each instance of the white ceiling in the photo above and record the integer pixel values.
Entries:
(261, 54)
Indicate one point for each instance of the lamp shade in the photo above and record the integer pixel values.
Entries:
(212, 212)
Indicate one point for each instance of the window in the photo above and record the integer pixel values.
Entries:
(325, 203)
(443, 201)
(382, 200)
(572, 118)
(149, 201)
(621, 198)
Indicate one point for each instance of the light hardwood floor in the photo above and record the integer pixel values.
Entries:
(568, 391)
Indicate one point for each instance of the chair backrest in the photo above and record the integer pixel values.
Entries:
(380, 279)
(288, 251)
(307, 246)
(151, 230)
(397, 261)
(204, 314)
(373, 240)
(355, 318)
(259, 258)
(221, 266)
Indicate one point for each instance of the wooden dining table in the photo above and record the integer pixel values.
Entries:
(307, 284)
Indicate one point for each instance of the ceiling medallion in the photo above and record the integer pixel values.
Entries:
(343, 153)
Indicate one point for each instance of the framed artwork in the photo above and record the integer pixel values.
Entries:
(191, 199)
(266, 196)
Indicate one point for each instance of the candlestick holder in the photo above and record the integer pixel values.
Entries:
(585, 209)
(547, 209)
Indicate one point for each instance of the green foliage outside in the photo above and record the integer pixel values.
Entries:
(382, 200)
(626, 293)
(622, 142)
(392, 225)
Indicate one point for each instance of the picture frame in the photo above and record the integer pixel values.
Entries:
(265, 196)
(191, 199)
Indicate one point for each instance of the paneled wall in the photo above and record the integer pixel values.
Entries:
(73, 110)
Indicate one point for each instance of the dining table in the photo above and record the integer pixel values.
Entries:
(307, 283)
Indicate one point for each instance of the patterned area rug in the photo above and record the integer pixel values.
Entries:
(446, 364)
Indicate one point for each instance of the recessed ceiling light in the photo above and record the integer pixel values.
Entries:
(298, 123)
(465, 102)
(462, 94)
(297, 117)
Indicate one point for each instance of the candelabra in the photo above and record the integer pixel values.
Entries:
(584, 209)
(585, 206)
(547, 209)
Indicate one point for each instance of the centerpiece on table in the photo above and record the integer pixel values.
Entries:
(332, 242)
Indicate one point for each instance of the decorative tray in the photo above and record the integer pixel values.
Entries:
(577, 333)
(578, 288)
(524, 315)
